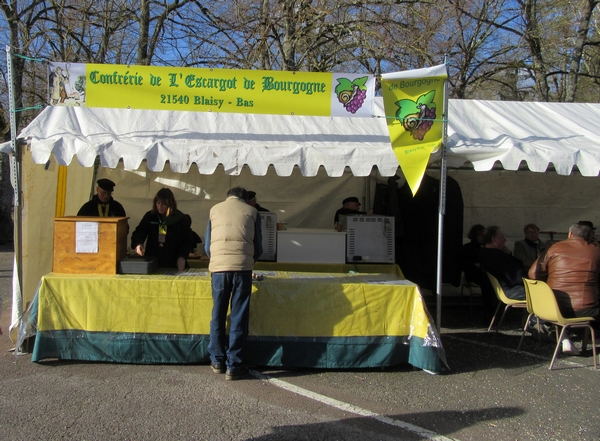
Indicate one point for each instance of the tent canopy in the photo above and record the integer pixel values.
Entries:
(210, 139)
(479, 132)
(563, 134)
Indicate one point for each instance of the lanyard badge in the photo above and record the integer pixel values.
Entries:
(162, 234)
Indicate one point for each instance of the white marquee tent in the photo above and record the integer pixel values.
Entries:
(300, 167)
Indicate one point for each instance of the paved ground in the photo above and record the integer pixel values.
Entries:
(492, 392)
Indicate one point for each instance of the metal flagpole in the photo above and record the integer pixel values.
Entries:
(442, 207)
(17, 306)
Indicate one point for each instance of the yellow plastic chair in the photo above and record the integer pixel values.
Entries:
(545, 307)
(510, 303)
(531, 314)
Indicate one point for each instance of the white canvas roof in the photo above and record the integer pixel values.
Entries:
(479, 132)
(210, 139)
(563, 134)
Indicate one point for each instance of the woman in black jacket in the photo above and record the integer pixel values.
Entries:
(166, 232)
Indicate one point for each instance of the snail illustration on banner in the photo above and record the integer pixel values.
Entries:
(418, 116)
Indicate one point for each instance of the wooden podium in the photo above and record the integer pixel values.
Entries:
(101, 246)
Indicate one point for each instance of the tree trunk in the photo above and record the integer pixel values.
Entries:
(143, 40)
(532, 35)
(580, 40)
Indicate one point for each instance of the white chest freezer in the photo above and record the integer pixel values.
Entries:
(311, 245)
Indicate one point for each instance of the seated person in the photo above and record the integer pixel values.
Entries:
(496, 259)
(469, 259)
(350, 206)
(571, 268)
(166, 232)
(102, 204)
(252, 201)
(529, 249)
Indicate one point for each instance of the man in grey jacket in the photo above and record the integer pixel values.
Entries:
(529, 249)
(233, 243)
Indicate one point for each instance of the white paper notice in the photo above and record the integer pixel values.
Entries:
(86, 237)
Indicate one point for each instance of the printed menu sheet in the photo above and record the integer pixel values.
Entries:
(86, 237)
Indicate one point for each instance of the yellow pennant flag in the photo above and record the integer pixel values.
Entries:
(414, 102)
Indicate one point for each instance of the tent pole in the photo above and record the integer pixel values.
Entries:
(442, 212)
(442, 208)
(17, 304)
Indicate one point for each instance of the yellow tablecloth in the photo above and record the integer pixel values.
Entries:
(298, 318)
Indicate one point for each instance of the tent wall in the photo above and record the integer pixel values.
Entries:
(39, 209)
(509, 199)
(512, 199)
(303, 202)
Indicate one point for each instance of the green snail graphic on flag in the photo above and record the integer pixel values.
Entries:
(418, 116)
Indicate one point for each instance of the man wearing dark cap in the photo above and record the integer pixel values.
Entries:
(350, 206)
(252, 201)
(102, 204)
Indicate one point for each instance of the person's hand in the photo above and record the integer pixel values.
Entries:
(139, 250)
(180, 264)
(370, 212)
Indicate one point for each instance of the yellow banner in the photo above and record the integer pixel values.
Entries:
(211, 90)
(414, 102)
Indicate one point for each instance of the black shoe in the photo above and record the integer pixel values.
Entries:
(548, 333)
(217, 368)
(236, 373)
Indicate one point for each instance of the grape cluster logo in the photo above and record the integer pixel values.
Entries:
(351, 94)
(417, 116)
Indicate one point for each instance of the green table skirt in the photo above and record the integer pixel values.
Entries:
(316, 352)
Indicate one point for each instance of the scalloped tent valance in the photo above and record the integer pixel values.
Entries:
(479, 132)
(566, 135)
